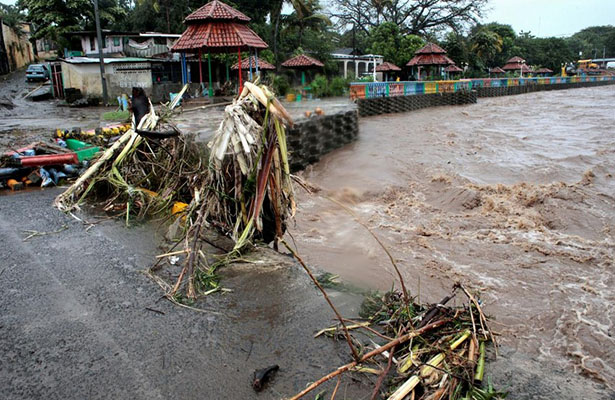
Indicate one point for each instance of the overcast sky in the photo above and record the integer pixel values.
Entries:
(551, 17)
(541, 17)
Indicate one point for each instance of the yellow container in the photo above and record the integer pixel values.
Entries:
(290, 97)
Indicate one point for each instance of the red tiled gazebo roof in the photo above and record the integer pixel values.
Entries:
(430, 59)
(387, 67)
(430, 48)
(497, 70)
(262, 64)
(302, 61)
(515, 59)
(543, 71)
(218, 11)
(218, 37)
(514, 64)
(430, 54)
(453, 68)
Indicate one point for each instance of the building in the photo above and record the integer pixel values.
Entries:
(15, 48)
(121, 74)
(130, 44)
(358, 64)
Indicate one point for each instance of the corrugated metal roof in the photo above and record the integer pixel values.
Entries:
(262, 64)
(302, 61)
(387, 67)
(216, 11)
(430, 59)
(91, 60)
(217, 37)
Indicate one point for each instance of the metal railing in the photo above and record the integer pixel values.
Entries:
(368, 90)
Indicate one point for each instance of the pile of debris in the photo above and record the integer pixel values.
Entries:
(242, 189)
(425, 352)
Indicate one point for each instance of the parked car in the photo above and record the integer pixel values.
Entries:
(37, 72)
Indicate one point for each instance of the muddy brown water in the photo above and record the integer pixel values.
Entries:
(514, 196)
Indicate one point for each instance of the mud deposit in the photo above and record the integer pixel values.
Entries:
(515, 196)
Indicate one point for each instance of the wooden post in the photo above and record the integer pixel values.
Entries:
(211, 85)
(239, 57)
(200, 68)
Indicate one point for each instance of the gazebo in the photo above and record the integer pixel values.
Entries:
(302, 63)
(248, 63)
(496, 71)
(517, 64)
(387, 67)
(217, 28)
(430, 55)
(543, 72)
(452, 69)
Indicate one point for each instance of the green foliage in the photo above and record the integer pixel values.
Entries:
(279, 83)
(320, 86)
(485, 44)
(591, 42)
(388, 41)
(55, 19)
(339, 86)
(12, 17)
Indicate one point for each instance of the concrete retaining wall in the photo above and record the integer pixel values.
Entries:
(312, 138)
(397, 104)
(513, 90)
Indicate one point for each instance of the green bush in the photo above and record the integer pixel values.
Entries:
(320, 86)
(339, 86)
(280, 84)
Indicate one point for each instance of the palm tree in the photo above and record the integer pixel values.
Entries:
(306, 14)
(486, 44)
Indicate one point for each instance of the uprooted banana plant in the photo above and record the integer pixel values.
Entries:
(248, 192)
(244, 190)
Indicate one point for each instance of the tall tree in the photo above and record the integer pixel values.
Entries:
(417, 17)
(388, 41)
(486, 44)
(54, 19)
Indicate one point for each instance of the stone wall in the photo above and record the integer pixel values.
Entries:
(513, 90)
(310, 139)
(397, 104)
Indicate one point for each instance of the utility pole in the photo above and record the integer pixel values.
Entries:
(101, 58)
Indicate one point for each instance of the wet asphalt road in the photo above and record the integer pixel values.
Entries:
(74, 322)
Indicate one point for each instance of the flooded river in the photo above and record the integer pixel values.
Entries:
(514, 196)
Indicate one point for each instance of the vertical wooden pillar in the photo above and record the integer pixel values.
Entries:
(211, 84)
(200, 67)
(239, 58)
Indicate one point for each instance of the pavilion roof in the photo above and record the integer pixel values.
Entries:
(302, 61)
(262, 64)
(387, 67)
(216, 11)
(543, 71)
(516, 59)
(453, 68)
(513, 66)
(218, 37)
(430, 59)
(497, 70)
(430, 48)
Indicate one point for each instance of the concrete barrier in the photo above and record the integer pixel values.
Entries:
(398, 104)
(514, 90)
(312, 138)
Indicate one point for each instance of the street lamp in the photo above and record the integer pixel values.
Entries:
(100, 53)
